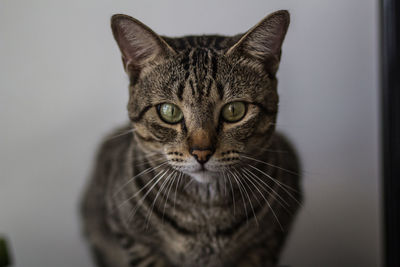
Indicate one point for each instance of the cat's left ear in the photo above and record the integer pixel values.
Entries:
(263, 42)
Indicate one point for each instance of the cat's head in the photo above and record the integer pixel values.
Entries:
(202, 101)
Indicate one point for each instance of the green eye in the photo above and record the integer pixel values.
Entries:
(170, 113)
(234, 111)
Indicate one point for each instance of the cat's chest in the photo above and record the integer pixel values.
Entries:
(209, 234)
(198, 247)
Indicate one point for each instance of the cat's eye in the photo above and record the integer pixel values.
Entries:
(170, 113)
(234, 111)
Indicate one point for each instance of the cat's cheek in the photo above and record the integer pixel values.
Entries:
(153, 129)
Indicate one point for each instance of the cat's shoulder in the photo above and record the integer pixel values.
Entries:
(116, 142)
(284, 147)
(283, 141)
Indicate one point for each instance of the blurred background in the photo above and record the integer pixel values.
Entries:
(62, 88)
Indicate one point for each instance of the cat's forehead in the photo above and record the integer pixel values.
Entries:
(216, 43)
(194, 75)
(208, 74)
(200, 75)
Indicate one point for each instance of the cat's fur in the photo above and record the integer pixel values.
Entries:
(150, 203)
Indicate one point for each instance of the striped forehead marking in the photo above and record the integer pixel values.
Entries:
(201, 67)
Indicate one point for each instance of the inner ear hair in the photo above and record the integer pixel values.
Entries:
(139, 45)
(263, 42)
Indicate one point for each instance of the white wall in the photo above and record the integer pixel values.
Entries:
(62, 88)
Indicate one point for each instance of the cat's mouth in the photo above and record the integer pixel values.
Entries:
(203, 173)
(202, 168)
(203, 176)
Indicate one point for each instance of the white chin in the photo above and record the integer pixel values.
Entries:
(204, 176)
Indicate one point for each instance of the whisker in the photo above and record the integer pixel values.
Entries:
(269, 205)
(225, 190)
(169, 190)
(248, 197)
(122, 134)
(272, 165)
(164, 183)
(146, 194)
(266, 200)
(149, 161)
(139, 174)
(141, 189)
(261, 182)
(268, 149)
(188, 183)
(176, 188)
(277, 182)
(233, 193)
(291, 125)
(148, 155)
(241, 193)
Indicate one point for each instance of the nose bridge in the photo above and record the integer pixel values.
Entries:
(202, 116)
(201, 145)
(201, 139)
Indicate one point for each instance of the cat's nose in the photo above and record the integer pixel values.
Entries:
(201, 145)
(201, 155)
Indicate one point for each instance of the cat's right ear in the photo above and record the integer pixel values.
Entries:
(139, 45)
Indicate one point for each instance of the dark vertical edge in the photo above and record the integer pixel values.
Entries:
(390, 78)
(5, 259)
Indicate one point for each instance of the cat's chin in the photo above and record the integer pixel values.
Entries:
(204, 176)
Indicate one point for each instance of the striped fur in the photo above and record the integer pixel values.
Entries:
(148, 202)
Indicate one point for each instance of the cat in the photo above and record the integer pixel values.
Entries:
(199, 176)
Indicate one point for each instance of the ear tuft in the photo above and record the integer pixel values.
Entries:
(263, 42)
(139, 45)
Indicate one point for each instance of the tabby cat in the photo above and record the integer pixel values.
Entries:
(199, 177)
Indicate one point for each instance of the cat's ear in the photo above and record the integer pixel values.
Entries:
(263, 42)
(139, 45)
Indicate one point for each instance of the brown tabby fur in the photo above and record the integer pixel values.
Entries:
(150, 203)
